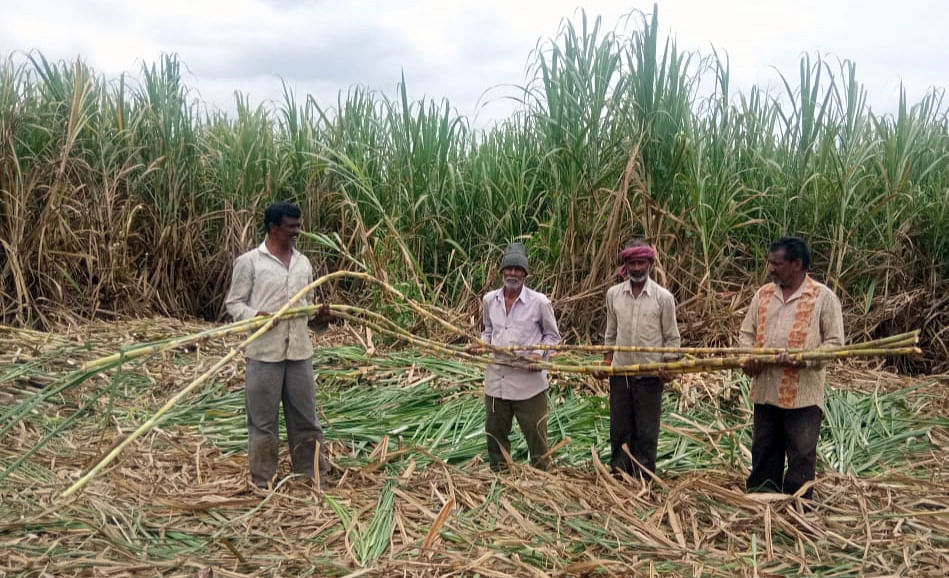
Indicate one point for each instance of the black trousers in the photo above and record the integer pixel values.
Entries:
(635, 408)
(784, 432)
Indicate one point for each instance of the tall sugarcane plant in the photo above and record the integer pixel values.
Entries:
(725, 358)
(127, 195)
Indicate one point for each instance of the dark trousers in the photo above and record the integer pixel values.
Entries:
(635, 408)
(779, 433)
(266, 385)
(531, 415)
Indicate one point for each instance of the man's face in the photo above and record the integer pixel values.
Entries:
(637, 269)
(287, 231)
(513, 278)
(782, 271)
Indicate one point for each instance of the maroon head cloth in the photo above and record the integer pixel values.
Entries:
(635, 252)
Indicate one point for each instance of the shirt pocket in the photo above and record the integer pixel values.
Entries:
(507, 331)
(650, 324)
(525, 331)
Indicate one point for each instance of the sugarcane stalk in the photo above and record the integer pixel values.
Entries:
(891, 340)
(156, 418)
(904, 339)
(385, 326)
(683, 366)
(213, 333)
(705, 364)
(909, 338)
(419, 342)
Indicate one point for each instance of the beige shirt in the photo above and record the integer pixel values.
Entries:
(648, 320)
(530, 321)
(811, 318)
(261, 282)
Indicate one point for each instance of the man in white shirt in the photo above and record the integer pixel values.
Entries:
(280, 362)
(516, 315)
(639, 312)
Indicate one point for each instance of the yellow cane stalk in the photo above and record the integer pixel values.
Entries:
(894, 345)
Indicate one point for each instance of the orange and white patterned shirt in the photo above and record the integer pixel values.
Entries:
(811, 318)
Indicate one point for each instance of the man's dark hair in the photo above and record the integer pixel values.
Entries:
(275, 213)
(794, 248)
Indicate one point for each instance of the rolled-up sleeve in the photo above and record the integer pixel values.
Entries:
(242, 282)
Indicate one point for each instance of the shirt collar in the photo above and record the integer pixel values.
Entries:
(524, 296)
(263, 249)
(806, 286)
(647, 287)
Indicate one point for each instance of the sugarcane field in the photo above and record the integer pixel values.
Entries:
(648, 324)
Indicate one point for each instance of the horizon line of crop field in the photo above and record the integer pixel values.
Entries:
(120, 196)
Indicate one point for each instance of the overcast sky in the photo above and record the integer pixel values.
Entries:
(459, 49)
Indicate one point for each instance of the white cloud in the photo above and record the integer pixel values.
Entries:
(460, 49)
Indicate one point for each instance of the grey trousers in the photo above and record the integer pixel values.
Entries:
(266, 385)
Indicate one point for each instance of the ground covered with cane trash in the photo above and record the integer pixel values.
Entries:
(411, 494)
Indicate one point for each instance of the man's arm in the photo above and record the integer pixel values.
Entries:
(670, 326)
(831, 327)
(238, 297)
(747, 335)
(749, 326)
(322, 318)
(476, 349)
(670, 332)
(831, 322)
(486, 321)
(609, 337)
(550, 335)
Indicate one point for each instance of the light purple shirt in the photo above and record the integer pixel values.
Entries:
(530, 321)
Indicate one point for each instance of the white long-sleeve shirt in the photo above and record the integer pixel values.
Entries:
(648, 320)
(261, 282)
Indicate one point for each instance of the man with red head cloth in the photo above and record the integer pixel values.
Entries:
(639, 312)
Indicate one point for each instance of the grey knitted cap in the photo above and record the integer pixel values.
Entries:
(515, 256)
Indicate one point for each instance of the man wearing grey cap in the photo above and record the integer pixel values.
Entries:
(516, 315)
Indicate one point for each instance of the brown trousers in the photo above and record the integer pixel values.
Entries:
(531, 415)
(266, 385)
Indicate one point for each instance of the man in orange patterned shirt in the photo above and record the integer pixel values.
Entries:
(794, 312)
